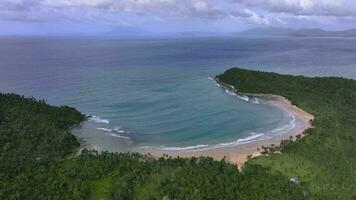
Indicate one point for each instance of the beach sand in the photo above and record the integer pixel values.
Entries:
(238, 154)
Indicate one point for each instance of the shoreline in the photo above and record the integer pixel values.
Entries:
(238, 154)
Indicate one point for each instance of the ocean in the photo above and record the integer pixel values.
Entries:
(159, 93)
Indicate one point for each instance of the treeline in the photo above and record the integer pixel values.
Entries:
(326, 157)
(35, 164)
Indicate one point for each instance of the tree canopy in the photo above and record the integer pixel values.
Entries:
(326, 158)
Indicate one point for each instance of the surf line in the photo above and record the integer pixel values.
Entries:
(230, 90)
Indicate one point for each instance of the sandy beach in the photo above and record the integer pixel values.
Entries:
(238, 154)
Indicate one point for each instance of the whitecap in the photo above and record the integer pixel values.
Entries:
(105, 129)
(120, 136)
(251, 137)
(98, 120)
(230, 93)
(291, 125)
(199, 146)
(255, 101)
(243, 97)
(118, 130)
(280, 129)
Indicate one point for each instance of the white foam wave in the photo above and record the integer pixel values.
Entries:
(243, 97)
(210, 78)
(230, 93)
(280, 129)
(201, 147)
(105, 129)
(98, 120)
(291, 125)
(251, 137)
(120, 136)
(248, 139)
(255, 100)
(117, 130)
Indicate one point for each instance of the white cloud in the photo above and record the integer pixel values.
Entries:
(259, 12)
(305, 7)
(256, 19)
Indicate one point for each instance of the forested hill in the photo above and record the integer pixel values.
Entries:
(326, 157)
(32, 129)
(32, 134)
(34, 164)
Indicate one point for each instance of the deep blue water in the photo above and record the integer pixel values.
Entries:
(156, 92)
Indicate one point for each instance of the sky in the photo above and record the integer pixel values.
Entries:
(130, 17)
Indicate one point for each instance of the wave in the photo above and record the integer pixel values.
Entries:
(210, 78)
(248, 139)
(200, 147)
(105, 129)
(280, 129)
(117, 130)
(287, 127)
(120, 136)
(230, 93)
(98, 120)
(243, 97)
(255, 101)
(251, 137)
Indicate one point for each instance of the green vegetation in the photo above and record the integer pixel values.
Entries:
(32, 134)
(326, 158)
(35, 164)
(37, 157)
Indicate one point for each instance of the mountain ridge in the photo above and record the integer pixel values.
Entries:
(303, 32)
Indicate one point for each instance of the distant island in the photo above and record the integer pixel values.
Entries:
(312, 32)
(40, 159)
(133, 32)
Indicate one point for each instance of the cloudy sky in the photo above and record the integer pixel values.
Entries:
(171, 16)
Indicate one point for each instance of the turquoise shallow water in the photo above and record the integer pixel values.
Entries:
(156, 92)
(171, 107)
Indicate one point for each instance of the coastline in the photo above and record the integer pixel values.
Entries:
(238, 154)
